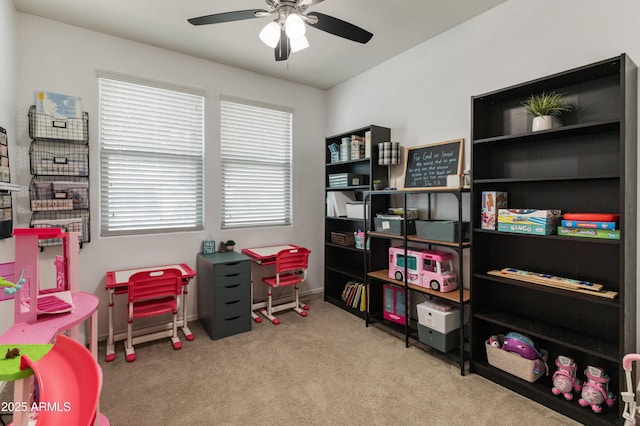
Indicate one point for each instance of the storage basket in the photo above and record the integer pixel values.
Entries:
(72, 220)
(343, 238)
(63, 193)
(59, 158)
(47, 127)
(526, 369)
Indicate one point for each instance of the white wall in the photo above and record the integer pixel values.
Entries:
(64, 59)
(7, 119)
(424, 94)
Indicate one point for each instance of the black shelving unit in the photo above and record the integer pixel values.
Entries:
(6, 199)
(588, 164)
(344, 262)
(377, 263)
(59, 164)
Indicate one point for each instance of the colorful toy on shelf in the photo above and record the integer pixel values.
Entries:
(494, 341)
(426, 268)
(31, 300)
(10, 287)
(520, 344)
(564, 379)
(595, 389)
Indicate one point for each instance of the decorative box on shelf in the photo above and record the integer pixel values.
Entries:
(341, 180)
(343, 238)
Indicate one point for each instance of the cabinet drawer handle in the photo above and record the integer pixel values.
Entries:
(232, 303)
(233, 286)
(233, 319)
(232, 264)
(233, 275)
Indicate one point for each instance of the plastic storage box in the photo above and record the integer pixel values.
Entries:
(438, 316)
(441, 230)
(355, 210)
(392, 226)
(444, 342)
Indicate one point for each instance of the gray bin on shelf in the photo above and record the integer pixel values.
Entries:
(444, 342)
(441, 230)
(395, 226)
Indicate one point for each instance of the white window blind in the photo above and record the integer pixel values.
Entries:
(256, 164)
(151, 159)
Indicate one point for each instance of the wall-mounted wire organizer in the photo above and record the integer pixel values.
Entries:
(68, 220)
(59, 163)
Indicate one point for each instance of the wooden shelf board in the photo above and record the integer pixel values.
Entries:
(414, 238)
(452, 296)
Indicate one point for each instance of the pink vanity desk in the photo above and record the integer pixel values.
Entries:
(29, 328)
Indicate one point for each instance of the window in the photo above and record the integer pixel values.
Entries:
(151, 158)
(256, 164)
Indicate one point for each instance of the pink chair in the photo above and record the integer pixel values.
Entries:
(291, 269)
(69, 382)
(153, 293)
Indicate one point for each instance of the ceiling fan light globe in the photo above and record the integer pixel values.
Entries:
(270, 34)
(298, 44)
(294, 26)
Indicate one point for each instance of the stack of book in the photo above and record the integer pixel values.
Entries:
(590, 225)
(355, 295)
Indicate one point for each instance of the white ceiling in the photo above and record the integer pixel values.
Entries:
(397, 25)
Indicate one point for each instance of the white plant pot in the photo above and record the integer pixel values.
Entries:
(544, 122)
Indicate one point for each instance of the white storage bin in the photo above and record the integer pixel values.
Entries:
(356, 210)
(439, 317)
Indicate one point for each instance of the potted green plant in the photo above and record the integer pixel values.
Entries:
(377, 184)
(230, 245)
(544, 106)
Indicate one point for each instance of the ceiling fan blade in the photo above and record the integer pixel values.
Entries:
(218, 18)
(340, 28)
(309, 2)
(283, 49)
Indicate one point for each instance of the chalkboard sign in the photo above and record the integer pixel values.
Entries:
(427, 166)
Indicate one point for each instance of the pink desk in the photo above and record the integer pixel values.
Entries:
(44, 331)
(266, 255)
(117, 282)
(263, 256)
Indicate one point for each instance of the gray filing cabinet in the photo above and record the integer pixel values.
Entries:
(224, 293)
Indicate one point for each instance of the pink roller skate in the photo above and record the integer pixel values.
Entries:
(595, 390)
(564, 379)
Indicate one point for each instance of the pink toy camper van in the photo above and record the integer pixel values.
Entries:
(426, 268)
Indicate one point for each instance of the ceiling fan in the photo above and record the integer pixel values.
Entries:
(286, 33)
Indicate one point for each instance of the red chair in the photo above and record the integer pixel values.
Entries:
(291, 269)
(153, 293)
(69, 382)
